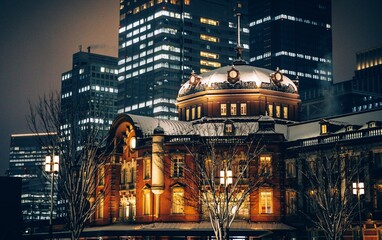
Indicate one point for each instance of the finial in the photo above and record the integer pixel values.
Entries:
(239, 49)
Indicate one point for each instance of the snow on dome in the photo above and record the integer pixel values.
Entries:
(249, 77)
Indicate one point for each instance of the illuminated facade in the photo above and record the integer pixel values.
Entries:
(162, 41)
(26, 160)
(295, 36)
(89, 93)
(149, 171)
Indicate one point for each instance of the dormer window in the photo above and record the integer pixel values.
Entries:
(324, 129)
(349, 128)
(372, 124)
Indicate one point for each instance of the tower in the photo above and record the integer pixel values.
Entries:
(162, 42)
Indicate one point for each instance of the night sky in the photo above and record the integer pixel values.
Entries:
(38, 38)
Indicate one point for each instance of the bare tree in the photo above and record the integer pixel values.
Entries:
(81, 155)
(327, 188)
(225, 172)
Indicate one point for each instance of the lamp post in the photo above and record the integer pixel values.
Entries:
(52, 167)
(359, 189)
(225, 180)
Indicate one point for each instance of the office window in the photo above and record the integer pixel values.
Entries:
(285, 112)
(278, 112)
(291, 202)
(243, 109)
(233, 109)
(266, 202)
(147, 167)
(210, 63)
(223, 109)
(209, 55)
(177, 200)
(270, 110)
(265, 167)
(209, 21)
(177, 166)
(209, 38)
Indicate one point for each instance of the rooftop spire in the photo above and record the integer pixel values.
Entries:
(239, 49)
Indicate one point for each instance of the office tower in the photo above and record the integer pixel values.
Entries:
(88, 94)
(161, 42)
(26, 160)
(295, 36)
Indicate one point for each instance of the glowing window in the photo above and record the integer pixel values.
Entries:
(265, 165)
(177, 166)
(223, 109)
(270, 110)
(209, 55)
(233, 109)
(210, 64)
(193, 113)
(187, 114)
(203, 70)
(266, 202)
(146, 202)
(209, 21)
(177, 200)
(209, 38)
(324, 129)
(243, 109)
(285, 112)
(278, 111)
(147, 167)
(100, 208)
(199, 111)
(186, 2)
(101, 176)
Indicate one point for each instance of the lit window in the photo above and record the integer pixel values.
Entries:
(233, 109)
(147, 167)
(177, 200)
(101, 176)
(209, 21)
(199, 111)
(177, 166)
(209, 55)
(100, 208)
(187, 114)
(203, 70)
(228, 128)
(291, 202)
(266, 202)
(223, 109)
(186, 2)
(270, 110)
(265, 167)
(324, 129)
(146, 202)
(136, 10)
(243, 109)
(193, 113)
(278, 111)
(285, 112)
(210, 64)
(209, 38)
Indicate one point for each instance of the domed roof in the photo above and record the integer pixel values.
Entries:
(238, 77)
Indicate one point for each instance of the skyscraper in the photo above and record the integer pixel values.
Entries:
(26, 160)
(161, 42)
(89, 93)
(294, 35)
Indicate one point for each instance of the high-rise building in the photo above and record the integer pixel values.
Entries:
(295, 36)
(26, 160)
(89, 94)
(162, 42)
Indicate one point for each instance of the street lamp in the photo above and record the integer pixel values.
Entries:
(51, 166)
(359, 189)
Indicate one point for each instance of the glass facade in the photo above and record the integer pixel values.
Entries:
(162, 42)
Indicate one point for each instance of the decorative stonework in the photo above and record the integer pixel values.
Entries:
(233, 75)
